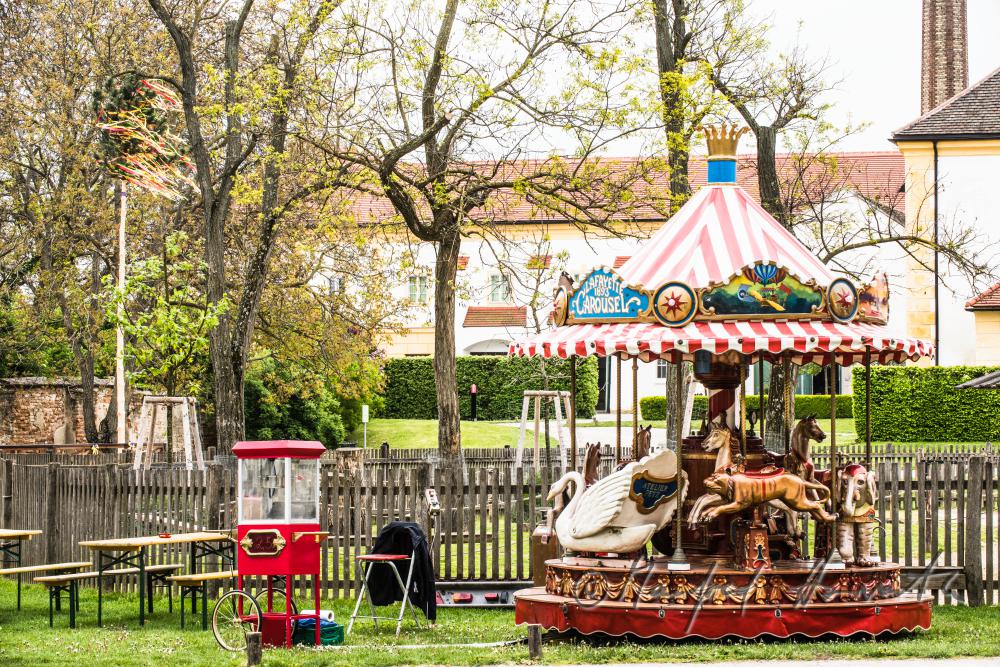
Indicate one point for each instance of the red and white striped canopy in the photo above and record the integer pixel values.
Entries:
(717, 233)
(802, 341)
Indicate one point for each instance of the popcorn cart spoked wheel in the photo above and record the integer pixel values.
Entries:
(278, 537)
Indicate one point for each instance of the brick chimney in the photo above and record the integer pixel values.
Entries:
(945, 52)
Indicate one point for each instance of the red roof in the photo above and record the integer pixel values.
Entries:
(878, 176)
(496, 316)
(619, 260)
(273, 449)
(988, 300)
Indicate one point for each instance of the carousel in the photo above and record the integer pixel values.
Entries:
(706, 539)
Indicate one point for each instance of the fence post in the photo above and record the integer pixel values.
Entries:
(8, 493)
(51, 514)
(213, 496)
(973, 561)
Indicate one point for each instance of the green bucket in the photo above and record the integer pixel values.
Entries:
(331, 633)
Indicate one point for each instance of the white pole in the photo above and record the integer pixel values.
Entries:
(122, 436)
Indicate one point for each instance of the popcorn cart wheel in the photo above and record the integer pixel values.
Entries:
(278, 538)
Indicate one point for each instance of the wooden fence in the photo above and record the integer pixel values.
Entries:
(938, 512)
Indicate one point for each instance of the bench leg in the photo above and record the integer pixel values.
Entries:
(100, 596)
(204, 605)
(170, 597)
(19, 592)
(73, 593)
(50, 606)
(149, 592)
(58, 591)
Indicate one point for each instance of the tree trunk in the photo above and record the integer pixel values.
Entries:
(775, 424)
(767, 174)
(670, 29)
(228, 385)
(445, 372)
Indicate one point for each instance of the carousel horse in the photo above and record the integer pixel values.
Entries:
(592, 463)
(723, 441)
(640, 447)
(605, 517)
(800, 462)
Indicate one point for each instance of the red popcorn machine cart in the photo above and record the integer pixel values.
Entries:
(278, 537)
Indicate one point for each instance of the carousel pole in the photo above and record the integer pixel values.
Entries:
(789, 403)
(760, 396)
(679, 560)
(743, 409)
(833, 557)
(618, 413)
(868, 408)
(572, 412)
(635, 400)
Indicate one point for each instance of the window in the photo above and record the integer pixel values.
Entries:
(499, 289)
(334, 285)
(263, 490)
(418, 289)
(661, 369)
(305, 476)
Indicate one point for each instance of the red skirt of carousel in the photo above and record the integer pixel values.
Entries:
(644, 598)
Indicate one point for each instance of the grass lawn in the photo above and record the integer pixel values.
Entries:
(422, 433)
(26, 639)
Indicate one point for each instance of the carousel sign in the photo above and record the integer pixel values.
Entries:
(605, 297)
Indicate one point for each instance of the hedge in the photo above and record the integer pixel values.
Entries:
(409, 387)
(653, 408)
(916, 404)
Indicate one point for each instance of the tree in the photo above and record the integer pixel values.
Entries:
(243, 105)
(58, 239)
(166, 317)
(442, 126)
(688, 33)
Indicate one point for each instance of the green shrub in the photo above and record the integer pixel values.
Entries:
(917, 404)
(653, 408)
(409, 386)
(281, 404)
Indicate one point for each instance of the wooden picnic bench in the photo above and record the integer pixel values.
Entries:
(131, 552)
(34, 569)
(195, 586)
(156, 575)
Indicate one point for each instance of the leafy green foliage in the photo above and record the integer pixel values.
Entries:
(282, 402)
(410, 393)
(654, 407)
(915, 404)
(166, 317)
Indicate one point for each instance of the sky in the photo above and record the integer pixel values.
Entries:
(873, 48)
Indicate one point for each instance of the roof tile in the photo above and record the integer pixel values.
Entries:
(973, 113)
(987, 300)
(496, 316)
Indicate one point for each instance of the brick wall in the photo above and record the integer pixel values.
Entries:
(33, 409)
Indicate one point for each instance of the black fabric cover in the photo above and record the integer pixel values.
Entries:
(403, 537)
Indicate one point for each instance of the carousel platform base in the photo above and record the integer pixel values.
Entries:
(712, 600)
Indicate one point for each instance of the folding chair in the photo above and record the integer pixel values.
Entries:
(367, 563)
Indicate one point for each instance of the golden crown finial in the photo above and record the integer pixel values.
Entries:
(722, 140)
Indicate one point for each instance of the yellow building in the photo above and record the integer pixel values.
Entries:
(952, 155)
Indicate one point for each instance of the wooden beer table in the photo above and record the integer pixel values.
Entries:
(10, 550)
(130, 552)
